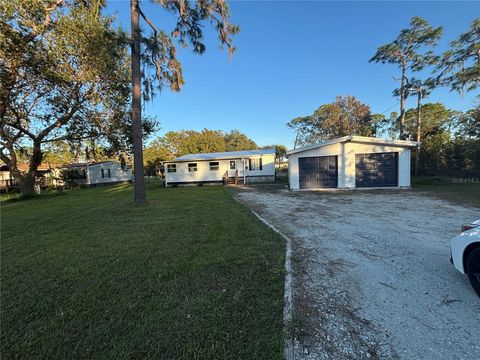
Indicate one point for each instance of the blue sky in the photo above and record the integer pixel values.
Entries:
(293, 57)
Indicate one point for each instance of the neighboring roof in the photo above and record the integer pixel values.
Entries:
(24, 167)
(357, 139)
(84, 164)
(223, 155)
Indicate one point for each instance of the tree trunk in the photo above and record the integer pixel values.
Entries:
(139, 181)
(419, 126)
(27, 183)
(402, 103)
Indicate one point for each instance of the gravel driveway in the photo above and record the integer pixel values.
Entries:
(372, 277)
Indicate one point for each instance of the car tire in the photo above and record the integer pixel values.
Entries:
(473, 269)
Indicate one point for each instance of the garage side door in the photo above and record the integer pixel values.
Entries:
(376, 170)
(318, 172)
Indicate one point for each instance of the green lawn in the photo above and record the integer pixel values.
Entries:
(464, 194)
(193, 275)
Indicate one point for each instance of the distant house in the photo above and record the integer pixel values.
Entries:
(100, 173)
(231, 167)
(47, 175)
(351, 162)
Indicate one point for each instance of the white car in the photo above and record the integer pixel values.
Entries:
(465, 253)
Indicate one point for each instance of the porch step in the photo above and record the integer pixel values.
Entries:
(231, 181)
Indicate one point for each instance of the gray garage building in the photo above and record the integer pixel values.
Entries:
(351, 162)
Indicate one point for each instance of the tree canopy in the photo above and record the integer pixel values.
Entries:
(406, 48)
(236, 141)
(435, 118)
(178, 143)
(345, 116)
(459, 67)
(468, 125)
(407, 51)
(64, 74)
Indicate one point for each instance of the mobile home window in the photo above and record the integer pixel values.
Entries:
(232, 165)
(106, 173)
(255, 164)
(81, 173)
(171, 168)
(192, 167)
(214, 166)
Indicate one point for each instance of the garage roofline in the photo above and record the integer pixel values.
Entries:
(357, 139)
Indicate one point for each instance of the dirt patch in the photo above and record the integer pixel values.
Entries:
(371, 274)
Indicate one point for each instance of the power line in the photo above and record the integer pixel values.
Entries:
(391, 107)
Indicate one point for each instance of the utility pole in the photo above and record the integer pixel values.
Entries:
(402, 101)
(139, 181)
(419, 126)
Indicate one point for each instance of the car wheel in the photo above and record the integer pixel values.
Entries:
(473, 269)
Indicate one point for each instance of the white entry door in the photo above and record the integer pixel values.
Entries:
(234, 165)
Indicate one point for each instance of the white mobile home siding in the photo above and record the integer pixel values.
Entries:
(117, 173)
(267, 172)
(345, 152)
(205, 175)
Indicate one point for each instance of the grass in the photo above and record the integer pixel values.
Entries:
(464, 194)
(192, 275)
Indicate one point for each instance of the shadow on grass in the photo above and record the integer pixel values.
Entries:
(20, 197)
(114, 188)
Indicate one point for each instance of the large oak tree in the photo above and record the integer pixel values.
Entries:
(346, 116)
(64, 74)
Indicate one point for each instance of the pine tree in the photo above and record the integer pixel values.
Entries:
(158, 53)
(405, 51)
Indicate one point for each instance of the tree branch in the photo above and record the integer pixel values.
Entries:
(22, 129)
(66, 137)
(64, 119)
(48, 12)
(147, 20)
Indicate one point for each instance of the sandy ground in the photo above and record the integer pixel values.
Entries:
(372, 277)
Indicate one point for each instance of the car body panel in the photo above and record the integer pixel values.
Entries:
(459, 243)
